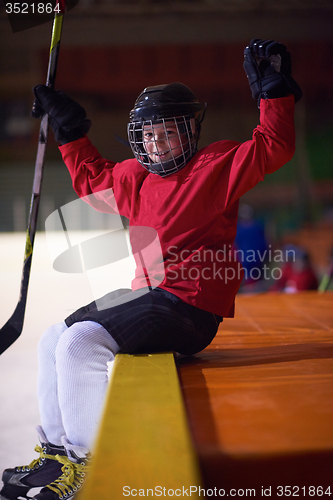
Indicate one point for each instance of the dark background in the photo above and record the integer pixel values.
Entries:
(111, 50)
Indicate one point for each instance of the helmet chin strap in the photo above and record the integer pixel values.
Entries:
(161, 169)
(166, 168)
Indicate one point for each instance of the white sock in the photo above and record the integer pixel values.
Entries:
(47, 384)
(73, 379)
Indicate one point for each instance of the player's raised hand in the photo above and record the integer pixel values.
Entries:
(67, 118)
(267, 64)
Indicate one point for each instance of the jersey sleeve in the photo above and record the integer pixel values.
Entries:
(95, 176)
(272, 146)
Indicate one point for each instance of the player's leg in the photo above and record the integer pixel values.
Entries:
(43, 469)
(81, 358)
(47, 384)
(152, 321)
(72, 380)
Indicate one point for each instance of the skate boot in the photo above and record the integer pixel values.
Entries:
(41, 471)
(74, 468)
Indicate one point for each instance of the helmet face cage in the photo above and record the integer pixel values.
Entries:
(177, 151)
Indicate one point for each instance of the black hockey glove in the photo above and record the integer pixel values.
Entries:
(67, 118)
(267, 65)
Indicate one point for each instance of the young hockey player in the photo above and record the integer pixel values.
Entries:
(190, 198)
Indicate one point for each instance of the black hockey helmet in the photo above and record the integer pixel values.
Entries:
(162, 105)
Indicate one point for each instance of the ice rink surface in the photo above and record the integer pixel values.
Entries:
(52, 296)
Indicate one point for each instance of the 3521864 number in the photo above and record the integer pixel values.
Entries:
(301, 491)
(31, 8)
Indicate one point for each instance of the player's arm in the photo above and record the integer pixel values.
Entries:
(67, 118)
(90, 172)
(267, 65)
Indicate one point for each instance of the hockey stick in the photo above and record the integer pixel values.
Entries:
(13, 328)
(327, 278)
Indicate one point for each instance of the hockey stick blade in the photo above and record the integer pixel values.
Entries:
(13, 328)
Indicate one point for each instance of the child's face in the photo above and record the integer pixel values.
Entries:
(163, 142)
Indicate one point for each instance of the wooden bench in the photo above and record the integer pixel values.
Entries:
(259, 403)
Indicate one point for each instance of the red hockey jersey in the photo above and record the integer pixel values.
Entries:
(194, 211)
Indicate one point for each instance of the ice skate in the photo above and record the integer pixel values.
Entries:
(41, 471)
(71, 478)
